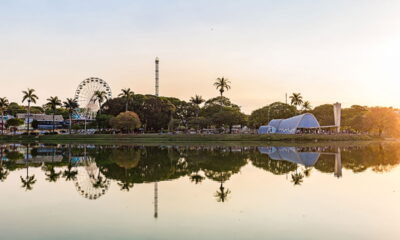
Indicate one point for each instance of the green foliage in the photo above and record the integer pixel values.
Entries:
(199, 122)
(228, 117)
(382, 120)
(14, 108)
(103, 120)
(126, 121)
(353, 117)
(222, 84)
(35, 124)
(276, 110)
(324, 114)
(14, 122)
(296, 99)
(14, 155)
(58, 111)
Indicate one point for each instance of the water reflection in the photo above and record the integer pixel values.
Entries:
(93, 168)
(303, 156)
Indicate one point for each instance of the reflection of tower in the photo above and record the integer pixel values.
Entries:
(157, 76)
(155, 200)
(337, 115)
(338, 164)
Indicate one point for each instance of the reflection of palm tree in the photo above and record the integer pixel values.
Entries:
(125, 185)
(3, 173)
(52, 175)
(69, 174)
(222, 194)
(307, 171)
(196, 178)
(100, 182)
(297, 178)
(28, 182)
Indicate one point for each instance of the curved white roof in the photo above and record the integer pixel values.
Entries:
(290, 125)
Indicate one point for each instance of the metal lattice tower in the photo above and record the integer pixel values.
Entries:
(155, 200)
(157, 76)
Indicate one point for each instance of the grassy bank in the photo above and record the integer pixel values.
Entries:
(157, 138)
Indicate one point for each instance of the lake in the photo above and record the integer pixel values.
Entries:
(279, 191)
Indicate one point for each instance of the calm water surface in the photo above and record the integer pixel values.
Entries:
(337, 191)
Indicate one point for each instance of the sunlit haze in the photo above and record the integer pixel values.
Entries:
(329, 51)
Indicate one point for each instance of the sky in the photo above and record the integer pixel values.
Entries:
(329, 51)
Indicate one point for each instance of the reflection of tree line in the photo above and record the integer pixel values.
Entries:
(130, 165)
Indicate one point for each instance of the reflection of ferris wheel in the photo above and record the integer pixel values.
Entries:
(85, 95)
(90, 182)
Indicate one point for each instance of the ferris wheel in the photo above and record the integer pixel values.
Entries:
(85, 95)
(90, 182)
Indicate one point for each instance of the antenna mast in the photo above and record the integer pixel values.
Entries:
(157, 76)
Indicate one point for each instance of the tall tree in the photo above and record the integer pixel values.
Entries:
(382, 120)
(296, 99)
(70, 104)
(30, 96)
(197, 100)
(127, 95)
(3, 107)
(100, 97)
(222, 84)
(53, 103)
(306, 106)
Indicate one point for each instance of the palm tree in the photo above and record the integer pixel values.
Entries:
(306, 106)
(197, 100)
(126, 94)
(296, 99)
(30, 96)
(70, 105)
(53, 103)
(100, 96)
(3, 107)
(222, 84)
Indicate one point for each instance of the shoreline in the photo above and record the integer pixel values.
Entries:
(183, 138)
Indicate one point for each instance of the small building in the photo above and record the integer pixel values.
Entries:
(44, 121)
(293, 125)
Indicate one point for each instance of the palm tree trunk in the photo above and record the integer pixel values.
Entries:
(70, 123)
(53, 122)
(2, 122)
(126, 106)
(29, 114)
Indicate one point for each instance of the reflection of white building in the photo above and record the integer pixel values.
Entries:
(307, 159)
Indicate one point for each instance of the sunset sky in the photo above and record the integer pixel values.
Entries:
(346, 51)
